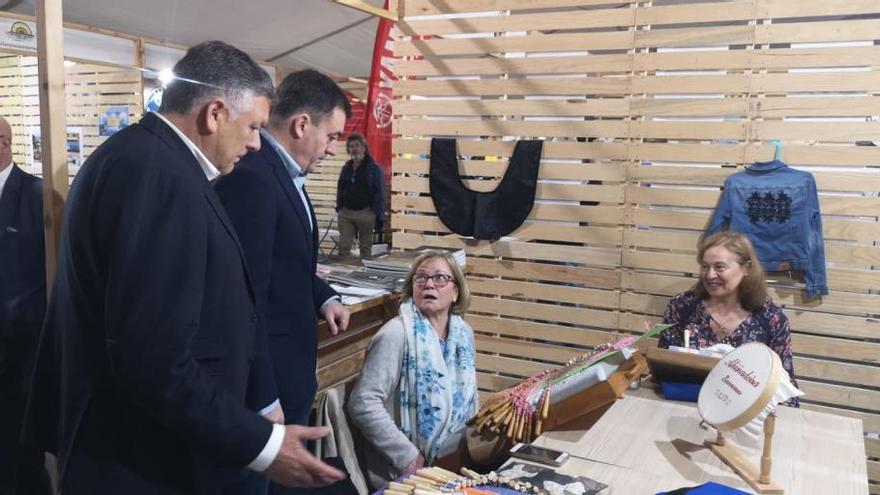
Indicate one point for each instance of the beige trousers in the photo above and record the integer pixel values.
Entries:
(356, 223)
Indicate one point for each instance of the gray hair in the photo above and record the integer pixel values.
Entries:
(214, 69)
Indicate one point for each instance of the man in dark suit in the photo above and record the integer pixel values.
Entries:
(150, 331)
(266, 199)
(22, 305)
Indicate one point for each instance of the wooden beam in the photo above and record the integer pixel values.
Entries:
(369, 9)
(50, 60)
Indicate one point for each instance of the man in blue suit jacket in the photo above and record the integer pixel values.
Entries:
(147, 347)
(22, 304)
(266, 199)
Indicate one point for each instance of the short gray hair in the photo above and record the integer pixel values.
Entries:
(210, 70)
(464, 293)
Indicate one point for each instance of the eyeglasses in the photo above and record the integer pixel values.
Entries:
(441, 280)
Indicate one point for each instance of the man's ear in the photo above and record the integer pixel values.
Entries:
(215, 113)
(298, 124)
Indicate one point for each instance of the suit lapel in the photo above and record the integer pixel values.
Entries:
(179, 148)
(283, 178)
(314, 222)
(214, 201)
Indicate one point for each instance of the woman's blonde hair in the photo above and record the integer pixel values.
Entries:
(752, 290)
(461, 304)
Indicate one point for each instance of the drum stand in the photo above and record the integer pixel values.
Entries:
(759, 481)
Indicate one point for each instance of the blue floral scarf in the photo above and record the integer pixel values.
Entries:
(438, 391)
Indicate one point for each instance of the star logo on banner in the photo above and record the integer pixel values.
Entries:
(382, 110)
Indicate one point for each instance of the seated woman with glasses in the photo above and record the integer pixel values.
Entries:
(418, 384)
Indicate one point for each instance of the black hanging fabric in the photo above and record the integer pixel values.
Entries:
(484, 215)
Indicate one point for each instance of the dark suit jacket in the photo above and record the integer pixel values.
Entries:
(22, 304)
(273, 226)
(150, 330)
(23, 265)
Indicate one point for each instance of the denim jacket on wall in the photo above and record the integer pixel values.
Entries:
(778, 209)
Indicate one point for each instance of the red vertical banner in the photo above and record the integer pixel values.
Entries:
(379, 102)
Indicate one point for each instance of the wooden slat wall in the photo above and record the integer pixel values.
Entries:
(91, 90)
(11, 97)
(322, 191)
(645, 109)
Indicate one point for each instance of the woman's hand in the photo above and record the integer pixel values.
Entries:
(414, 465)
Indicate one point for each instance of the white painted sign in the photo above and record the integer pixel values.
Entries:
(18, 35)
(739, 386)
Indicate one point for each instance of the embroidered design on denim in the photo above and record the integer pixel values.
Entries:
(783, 207)
(768, 208)
(753, 207)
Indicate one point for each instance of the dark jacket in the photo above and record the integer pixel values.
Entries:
(375, 179)
(22, 251)
(150, 330)
(22, 305)
(281, 249)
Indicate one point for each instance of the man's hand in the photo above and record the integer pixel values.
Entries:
(295, 466)
(275, 415)
(336, 315)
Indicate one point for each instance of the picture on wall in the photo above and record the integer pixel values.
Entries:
(74, 147)
(36, 147)
(114, 119)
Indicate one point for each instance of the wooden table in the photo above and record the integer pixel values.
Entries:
(340, 357)
(643, 446)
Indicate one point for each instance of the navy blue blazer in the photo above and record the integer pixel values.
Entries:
(22, 256)
(150, 330)
(22, 304)
(281, 250)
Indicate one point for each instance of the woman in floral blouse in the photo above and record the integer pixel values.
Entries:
(418, 384)
(730, 303)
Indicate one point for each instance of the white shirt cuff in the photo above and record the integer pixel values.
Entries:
(271, 407)
(270, 451)
(328, 301)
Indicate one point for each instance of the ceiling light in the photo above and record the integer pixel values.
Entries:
(166, 76)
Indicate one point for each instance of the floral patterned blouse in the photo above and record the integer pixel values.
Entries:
(768, 325)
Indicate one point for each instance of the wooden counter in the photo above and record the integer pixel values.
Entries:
(644, 445)
(340, 357)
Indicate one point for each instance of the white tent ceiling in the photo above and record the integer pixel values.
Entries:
(320, 34)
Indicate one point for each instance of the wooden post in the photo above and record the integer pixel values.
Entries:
(766, 459)
(53, 118)
(369, 9)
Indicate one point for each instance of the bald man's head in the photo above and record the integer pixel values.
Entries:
(5, 144)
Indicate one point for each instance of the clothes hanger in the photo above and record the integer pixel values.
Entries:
(777, 155)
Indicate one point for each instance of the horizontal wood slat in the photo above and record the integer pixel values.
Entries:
(535, 43)
(428, 7)
(577, 19)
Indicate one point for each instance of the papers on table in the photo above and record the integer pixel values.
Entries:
(353, 295)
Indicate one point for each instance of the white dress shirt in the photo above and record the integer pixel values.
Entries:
(4, 176)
